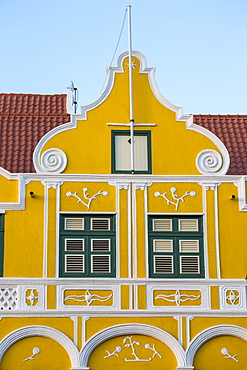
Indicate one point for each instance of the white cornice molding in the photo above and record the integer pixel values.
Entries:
(116, 281)
(131, 329)
(210, 333)
(8, 175)
(125, 178)
(43, 331)
(20, 204)
(242, 194)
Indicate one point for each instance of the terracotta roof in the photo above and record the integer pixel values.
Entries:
(232, 131)
(24, 119)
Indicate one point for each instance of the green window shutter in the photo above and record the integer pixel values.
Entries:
(121, 149)
(175, 247)
(87, 246)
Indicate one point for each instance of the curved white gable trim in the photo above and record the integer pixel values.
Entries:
(151, 76)
(42, 331)
(210, 333)
(127, 329)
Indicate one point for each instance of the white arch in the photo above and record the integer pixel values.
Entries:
(127, 329)
(42, 331)
(210, 333)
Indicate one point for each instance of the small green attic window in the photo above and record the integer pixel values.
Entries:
(121, 152)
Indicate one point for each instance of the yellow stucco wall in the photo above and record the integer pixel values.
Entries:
(31, 244)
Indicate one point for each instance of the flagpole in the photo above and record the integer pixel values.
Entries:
(131, 92)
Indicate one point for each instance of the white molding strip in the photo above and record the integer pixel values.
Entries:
(84, 330)
(126, 178)
(216, 232)
(179, 319)
(45, 235)
(20, 204)
(123, 281)
(205, 232)
(75, 321)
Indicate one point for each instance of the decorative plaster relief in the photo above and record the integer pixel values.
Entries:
(177, 297)
(209, 161)
(129, 343)
(36, 351)
(142, 185)
(114, 353)
(88, 200)
(88, 298)
(175, 197)
(83, 298)
(53, 160)
(187, 297)
(32, 297)
(224, 352)
(232, 297)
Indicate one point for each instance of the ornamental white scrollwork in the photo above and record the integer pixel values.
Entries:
(175, 197)
(32, 297)
(232, 297)
(114, 353)
(209, 161)
(36, 351)
(88, 298)
(129, 343)
(53, 160)
(153, 349)
(86, 196)
(224, 352)
(177, 297)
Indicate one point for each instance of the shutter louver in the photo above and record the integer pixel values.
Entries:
(74, 245)
(100, 224)
(162, 225)
(163, 264)
(189, 265)
(100, 245)
(74, 223)
(74, 263)
(189, 225)
(163, 246)
(189, 246)
(100, 264)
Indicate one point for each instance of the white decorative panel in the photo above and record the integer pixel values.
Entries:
(195, 296)
(86, 297)
(232, 298)
(8, 298)
(32, 297)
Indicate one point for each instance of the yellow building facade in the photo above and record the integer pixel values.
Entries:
(108, 268)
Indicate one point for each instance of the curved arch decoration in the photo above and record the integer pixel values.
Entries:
(210, 333)
(127, 329)
(41, 331)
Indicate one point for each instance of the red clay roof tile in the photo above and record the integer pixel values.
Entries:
(232, 130)
(24, 119)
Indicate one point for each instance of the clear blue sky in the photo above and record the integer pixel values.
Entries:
(197, 46)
